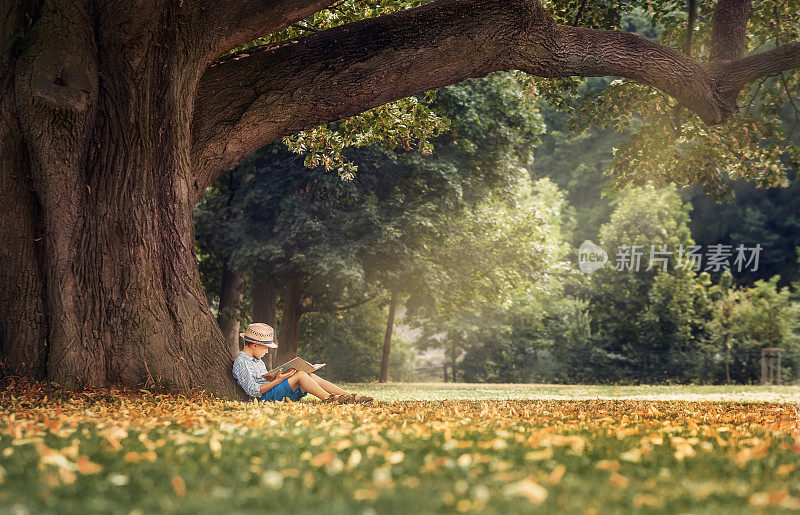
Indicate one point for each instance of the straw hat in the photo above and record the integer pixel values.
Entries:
(262, 334)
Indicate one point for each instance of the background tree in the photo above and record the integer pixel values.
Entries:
(216, 223)
(765, 317)
(726, 299)
(650, 314)
(330, 241)
(350, 343)
(487, 261)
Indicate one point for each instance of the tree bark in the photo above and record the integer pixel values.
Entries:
(23, 321)
(265, 310)
(290, 321)
(228, 316)
(222, 26)
(729, 29)
(387, 339)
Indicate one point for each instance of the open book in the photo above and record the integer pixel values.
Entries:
(297, 364)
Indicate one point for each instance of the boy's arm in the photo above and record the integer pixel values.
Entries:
(278, 380)
(246, 380)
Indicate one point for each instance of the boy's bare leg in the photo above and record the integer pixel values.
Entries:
(309, 385)
(327, 385)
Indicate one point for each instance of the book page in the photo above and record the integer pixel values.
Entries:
(297, 363)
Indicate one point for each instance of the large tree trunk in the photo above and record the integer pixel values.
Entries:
(99, 282)
(229, 298)
(387, 339)
(23, 321)
(290, 321)
(265, 310)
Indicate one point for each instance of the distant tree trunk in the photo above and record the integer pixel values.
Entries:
(444, 369)
(229, 298)
(265, 301)
(290, 322)
(453, 365)
(265, 309)
(387, 339)
(230, 295)
(728, 358)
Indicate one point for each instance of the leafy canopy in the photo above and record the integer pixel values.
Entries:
(668, 144)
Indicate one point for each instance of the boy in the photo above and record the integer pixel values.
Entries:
(249, 371)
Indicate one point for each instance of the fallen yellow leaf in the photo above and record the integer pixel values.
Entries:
(179, 486)
(85, 466)
(532, 491)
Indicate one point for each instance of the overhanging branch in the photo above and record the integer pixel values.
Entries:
(596, 53)
(247, 102)
(772, 62)
(217, 27)
(243, 104)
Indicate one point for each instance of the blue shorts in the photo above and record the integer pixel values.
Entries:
(283, 391)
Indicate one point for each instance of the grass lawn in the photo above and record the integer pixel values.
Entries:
(487, 448)
(479, 392)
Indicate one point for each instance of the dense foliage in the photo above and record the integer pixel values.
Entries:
(643, 319)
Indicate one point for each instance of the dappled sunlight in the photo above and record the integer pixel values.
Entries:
(486, 391)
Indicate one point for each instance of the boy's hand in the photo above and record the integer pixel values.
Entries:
(288, 373)
(280, 375)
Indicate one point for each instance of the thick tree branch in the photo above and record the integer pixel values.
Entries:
(220, 26)
(593, 53)
(244, 103)
(729, 29)
(735, 74)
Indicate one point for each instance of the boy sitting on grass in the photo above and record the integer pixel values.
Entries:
(250, 371)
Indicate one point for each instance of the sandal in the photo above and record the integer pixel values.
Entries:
(360, 398)
(333, 399)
